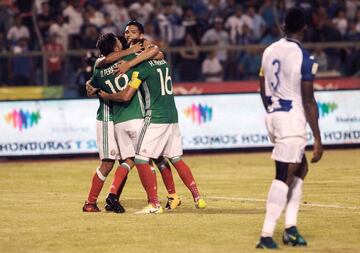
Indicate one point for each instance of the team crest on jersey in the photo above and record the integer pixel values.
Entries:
(113, 152)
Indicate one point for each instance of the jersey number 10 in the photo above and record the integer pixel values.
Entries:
(166, 83)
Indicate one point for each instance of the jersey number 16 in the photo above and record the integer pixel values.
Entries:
(166, 83)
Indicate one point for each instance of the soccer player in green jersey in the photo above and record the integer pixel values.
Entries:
(160, 135)
(108, 146)
(134, 32)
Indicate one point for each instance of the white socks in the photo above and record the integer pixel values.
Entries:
(294, 198)
(275, 204)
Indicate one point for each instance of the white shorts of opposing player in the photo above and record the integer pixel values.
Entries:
(287, 130)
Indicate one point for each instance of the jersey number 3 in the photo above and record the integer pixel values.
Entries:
(277, 65)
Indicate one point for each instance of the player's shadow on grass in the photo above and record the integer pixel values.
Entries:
(186, 208)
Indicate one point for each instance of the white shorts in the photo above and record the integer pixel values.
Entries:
(105, 140)
(126, 135)
(288, 131)
(160, 140)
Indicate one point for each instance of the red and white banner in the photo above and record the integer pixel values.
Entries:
(253, 86)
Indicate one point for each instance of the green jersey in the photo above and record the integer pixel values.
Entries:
(105, 107)
(157, 90)
(111, 83)
(134, 109)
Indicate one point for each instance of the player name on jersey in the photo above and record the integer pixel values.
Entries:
(108, 71)
(156, 62)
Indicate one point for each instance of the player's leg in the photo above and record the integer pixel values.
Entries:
(276, 201)
(112, 200)
(188, 179)
(291, 235)
(97, 185)
(108, 153)
(173, 150)
(173, 199)
(152, 139)
(148, 181)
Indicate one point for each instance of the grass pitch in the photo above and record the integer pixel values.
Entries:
(40, 208)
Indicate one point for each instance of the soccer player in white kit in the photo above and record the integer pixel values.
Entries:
(286, 87)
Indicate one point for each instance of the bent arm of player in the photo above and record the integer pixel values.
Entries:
(262, 88)
(312, 115)
(90, 90)
(149, 53)
(115, 56)
(124, 95)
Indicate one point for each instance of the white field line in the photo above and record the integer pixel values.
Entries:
(331, 206)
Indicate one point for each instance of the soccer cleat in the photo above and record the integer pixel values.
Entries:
(113, 204)
(292, 237)
(200, 204)
(173, 201)
(150, 209)
(90, 208)
(266, 243)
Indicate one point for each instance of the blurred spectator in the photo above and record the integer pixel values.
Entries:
(21, 67)
(246, 38)
(85, 73)
(118, 12)
(249, 65)
(73, 13)
(17, 31)
(341, 22)
(191, 25)
(229, 8)
(258, 23)
(214, 11)
(270, 35)
(90, 37)
(151, 36)
(54, 62)
(5, 17)
(109, 26)
(189, 60)
(219, 37)
(235, 24)
(168, 24)
(357, 20)
(267, 13)
(95, 17)
(3, 62)
(61, 30)
(321, 59)
(351, 7)
(44, 19)
(212, 69)
(144, 10)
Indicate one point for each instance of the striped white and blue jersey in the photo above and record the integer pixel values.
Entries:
(284, 65)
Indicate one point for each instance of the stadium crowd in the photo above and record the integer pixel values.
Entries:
(62, 26)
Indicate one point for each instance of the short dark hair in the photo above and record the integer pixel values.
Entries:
(137, 24)
(123, 42)
(295, 20)
(106, 43)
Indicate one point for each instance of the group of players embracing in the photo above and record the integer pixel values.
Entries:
(137, 121)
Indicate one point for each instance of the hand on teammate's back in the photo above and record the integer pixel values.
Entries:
(90, 90)
(122, 68)
(317, 151)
